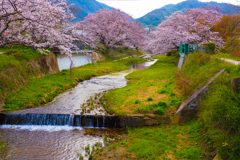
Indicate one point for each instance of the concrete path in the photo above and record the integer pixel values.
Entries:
(231, 61)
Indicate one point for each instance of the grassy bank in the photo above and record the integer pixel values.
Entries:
(214, 130)
(219, 110)
(197, 71)
(162, 142)
(120, 53)
(220, 115)
(42, 90)
(16, 55)
(151, 90)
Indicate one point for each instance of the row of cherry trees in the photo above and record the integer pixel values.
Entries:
(192, 26)
(113, 28)
(45, 24)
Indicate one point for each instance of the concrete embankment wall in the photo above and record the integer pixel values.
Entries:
(13, 78)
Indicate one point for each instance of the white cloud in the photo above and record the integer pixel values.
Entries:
(138, 8)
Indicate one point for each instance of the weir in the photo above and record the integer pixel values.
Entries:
(88, 121)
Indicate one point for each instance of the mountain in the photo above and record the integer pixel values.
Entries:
(156, 16)
(81, 8)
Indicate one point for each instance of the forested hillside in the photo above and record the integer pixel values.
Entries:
(81, 8)
(156, 16)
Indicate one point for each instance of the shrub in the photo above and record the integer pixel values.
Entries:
(137, 101)
(160, 111)
(149, 99)
(162, 104)
(209, 48)
(223, 50)
(162, 91)
(175, 102)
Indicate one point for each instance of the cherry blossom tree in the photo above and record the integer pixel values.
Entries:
(36, 23)
(192, 26)
(111, 28)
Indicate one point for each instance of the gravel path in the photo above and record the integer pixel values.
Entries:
(231, 61)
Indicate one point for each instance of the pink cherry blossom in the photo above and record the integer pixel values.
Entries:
(192, 26)
(111, 28)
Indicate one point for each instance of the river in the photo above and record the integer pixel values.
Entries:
(79, 60)
(61, 141)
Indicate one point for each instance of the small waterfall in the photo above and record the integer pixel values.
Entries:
(36, 119)
(88, 121)
(103, 121)
(97, 122)
(71, 119)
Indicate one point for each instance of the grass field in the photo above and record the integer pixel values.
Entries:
(151, 90)
(165, 142)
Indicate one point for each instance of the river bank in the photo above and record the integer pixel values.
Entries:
(40, 90)
(214, 130)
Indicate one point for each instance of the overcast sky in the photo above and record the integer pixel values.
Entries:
(138, 8)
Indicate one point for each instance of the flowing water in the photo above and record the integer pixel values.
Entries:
(54, 131)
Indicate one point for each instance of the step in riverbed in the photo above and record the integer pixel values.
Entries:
(88, 121)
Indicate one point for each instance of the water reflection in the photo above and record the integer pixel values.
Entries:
(79, 60)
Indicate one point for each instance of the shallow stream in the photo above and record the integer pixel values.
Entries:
(61, 142)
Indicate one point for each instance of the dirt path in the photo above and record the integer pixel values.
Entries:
(231, 61)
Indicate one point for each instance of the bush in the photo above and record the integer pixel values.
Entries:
(210, 48)
(160, 111)
(162, 91)
(137, 101)
(175, 102)
(159, 108)
(149, 99)
(223, 50)
(162, 104)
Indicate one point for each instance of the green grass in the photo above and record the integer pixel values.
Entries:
(219, 111)
(130, 61)
(220, 114)
(141, 94)
(16, 55)
(115, 54)
(42, 90)
(216, 129)
(160, 142)
(227, 56)
(197, 71)
(2, 148)
(181, 142)
(14, 72)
